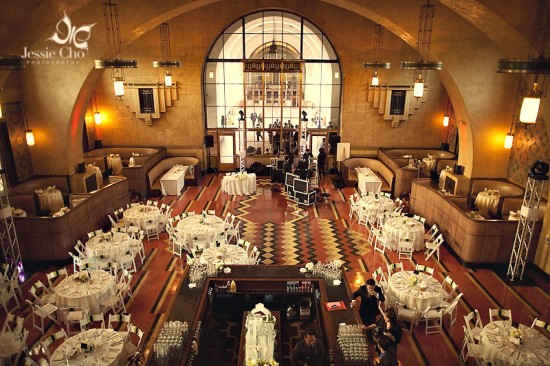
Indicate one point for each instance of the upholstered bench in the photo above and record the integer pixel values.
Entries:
(162, 167)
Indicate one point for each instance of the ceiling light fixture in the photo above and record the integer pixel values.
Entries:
(114, 48)
(377, 52)
(423, 43)
(167, 64)
(535, 69)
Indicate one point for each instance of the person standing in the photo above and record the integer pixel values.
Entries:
(389, 328)
(370, 295)
(321, 161)
(387, 357)
(309, 351)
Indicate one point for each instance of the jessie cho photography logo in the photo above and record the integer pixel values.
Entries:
(72, 45)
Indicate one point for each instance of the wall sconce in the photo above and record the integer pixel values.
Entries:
(509, 140)
(29, 136)
(446, 117)
(167, 64)
(1, 110)
(377, 51)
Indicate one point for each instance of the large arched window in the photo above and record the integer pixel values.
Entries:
(274, 70)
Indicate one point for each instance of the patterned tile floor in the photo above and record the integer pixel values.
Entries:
(290, 234)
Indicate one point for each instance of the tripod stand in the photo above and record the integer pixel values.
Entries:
(210, 169)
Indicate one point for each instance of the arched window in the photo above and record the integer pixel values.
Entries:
(273, 79)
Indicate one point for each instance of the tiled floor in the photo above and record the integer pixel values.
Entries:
(287, 234)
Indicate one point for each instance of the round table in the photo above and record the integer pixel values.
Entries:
(10, 344)
(72, 292)
(397, 228)
(499, 350)
(139, 214)
(225, 254)
(50, 199)
(206, 227)
(422, 294)
(376, 204)
(106, 347)
(114, 162)
(112, 245)
(239, 184)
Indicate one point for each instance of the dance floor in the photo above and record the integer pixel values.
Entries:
(288, 234)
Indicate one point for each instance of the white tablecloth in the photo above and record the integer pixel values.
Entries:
(397, 228)
(172, 182)
(487, 202)
(376, 204)
(367, 181)
(239, 184)
(428, 164)
(200, 227)
(114, 162)
(139, 214)
(416, 294)
(112, 244)
(107, 345)
(73, 292)
(226, 254)
(10, 344)
(98, 176)
(51, 200)
(500, 351)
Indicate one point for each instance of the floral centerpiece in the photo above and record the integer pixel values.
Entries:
(50, 189)
(413, 280)
(270, 362)
(83, 276)
(310, 267)
(517, 334)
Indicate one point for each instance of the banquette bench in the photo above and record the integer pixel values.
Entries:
(162, 167)
(349, 175)
(475, 241)
(397, 162)
(146, 159)
(23, 195)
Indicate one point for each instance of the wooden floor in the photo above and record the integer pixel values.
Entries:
(287, 234)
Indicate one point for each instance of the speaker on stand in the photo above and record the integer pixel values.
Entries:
(208, 143)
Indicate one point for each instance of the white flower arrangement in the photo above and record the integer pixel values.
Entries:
(309, 266)
(517, 333)
(190, 261)
(83, 276)
(270, 362)
(413, 279)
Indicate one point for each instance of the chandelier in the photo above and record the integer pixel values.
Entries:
(423, 43)
(167, 64)
(535, 69)
(377, 51)
(114, 48)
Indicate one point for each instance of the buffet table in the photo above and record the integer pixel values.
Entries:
(239, 184)
(368, 181)
(173, 182)
(91, 347)
(500, 348)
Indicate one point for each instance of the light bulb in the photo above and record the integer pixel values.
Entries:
(529, 110)
(97, 118)
(446, 120)
(29, 136)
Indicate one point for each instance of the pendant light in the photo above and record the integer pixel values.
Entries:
(114, 48)
(377, 51)
(166, 63)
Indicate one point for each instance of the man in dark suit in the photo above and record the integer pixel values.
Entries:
(370, 295)
(309, 351)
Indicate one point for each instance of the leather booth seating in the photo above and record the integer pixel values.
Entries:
(475, 241)
(162, 167)
(23, 195)
(398, 164)
(349, 175)
(148, 157)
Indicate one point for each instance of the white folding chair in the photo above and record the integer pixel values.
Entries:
(405, 248)
(73, 316)
(471, 349)
(120, 323)
(55, 275)
(500, 314)
(448, 287)
(474, 324)
(41, 294)
(407, 314)
(114, 302)
(95, 320)
(54, 338)
(43, 311)
(380, 278)
(135, 336)
(540, 324)
(381, 241)
(152, 229)
(424, 269)
(394, 267)
(13, 323)
(431, 233)
(433, 247)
